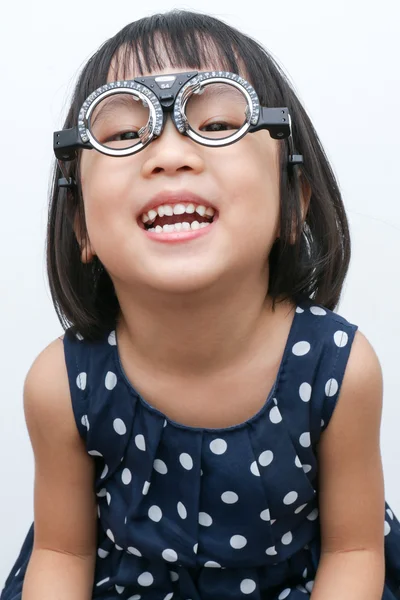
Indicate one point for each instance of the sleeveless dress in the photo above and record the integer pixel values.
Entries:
(189, 513)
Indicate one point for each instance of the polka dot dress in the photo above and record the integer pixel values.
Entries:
(204, 514)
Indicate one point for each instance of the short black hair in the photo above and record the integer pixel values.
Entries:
(313, 264)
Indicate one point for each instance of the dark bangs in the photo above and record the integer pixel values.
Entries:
(310, 259)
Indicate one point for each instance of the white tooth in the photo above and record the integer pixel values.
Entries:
(195, 225)
(167, 228)
(190, 209)
(168, 212)
(160, 211)
(159, 229)
(201, 210)
(178, 226)
(210, 212)
(185, 226)
(145, 218)
(202, 225)
(152, 214)
(179, 209)
(151, 229)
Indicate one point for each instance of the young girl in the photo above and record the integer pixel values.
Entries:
(208, 427)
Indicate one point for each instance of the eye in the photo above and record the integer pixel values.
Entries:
(123, 136)
(219, 126)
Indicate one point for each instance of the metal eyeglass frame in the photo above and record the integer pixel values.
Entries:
(169, 93)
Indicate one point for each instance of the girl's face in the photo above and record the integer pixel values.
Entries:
(241, 182)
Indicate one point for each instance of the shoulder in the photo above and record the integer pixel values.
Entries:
(47, 400)
(360, 401)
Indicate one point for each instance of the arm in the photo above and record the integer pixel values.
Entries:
(62, 562)
(351, 486)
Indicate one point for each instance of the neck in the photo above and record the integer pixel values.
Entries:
(194, 334)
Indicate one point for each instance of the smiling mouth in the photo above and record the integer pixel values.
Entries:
(175, 218)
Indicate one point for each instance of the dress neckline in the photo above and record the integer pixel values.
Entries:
(270, 399)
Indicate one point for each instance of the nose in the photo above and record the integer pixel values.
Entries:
(172, 153)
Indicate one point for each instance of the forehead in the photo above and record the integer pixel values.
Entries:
(129, 63)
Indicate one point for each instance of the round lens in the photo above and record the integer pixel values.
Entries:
(217, 111)
(117, 119)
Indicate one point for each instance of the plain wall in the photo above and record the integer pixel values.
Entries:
(343, 59)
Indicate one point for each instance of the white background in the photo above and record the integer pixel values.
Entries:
(343, 59)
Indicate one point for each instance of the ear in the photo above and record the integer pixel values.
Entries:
(87, 252)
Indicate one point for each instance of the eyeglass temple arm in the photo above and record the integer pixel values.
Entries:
(65, 144)
(278, 123)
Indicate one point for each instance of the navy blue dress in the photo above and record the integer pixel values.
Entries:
(191, 513)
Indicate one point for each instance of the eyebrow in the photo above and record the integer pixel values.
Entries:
(117, 100)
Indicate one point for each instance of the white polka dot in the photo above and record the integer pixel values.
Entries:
(182, 512)
(174, 576)
(195, 548)
(387, 528)
(119, 588)
(118, 547)
(170, 555)
(305, 439)
(169, 596)
(389, 512)
(301, 348)
(85, 422)
(133, 550)
(112, 340)
(271, 551)
(155, 513)
(165, 423)
(186, 461)
(146, 486)
(98, 510)
(205, 519)
(309, 586)
(140, 442)
(305, 573)
(297, 462)
(145, 579)
(108, 497)
(81, 381)
(94, 453)
(79, 336)
(104, 473)
(313, 515)
(318, 311)
(135, 597)
(305, 391)
(299, 509)
(340, 338)
(299, 310)
(274, 415)
(111, 380)
(218, 446)
(229, 497)
(119, 426)
(284, 594)
(331, 387)
(102, 553)
(301, 588)
(212, 564)
(160, 466)
(266, 458)
(126, 476)
(273, 521)
(307, 468)
(110, 535)
(247, 586)
(102, 581)
(290, 498)
(287, 538)
(265, 515)
(238, 542)
(254, 469)
(322, 423)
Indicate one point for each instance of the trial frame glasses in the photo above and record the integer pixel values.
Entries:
(170, 93)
